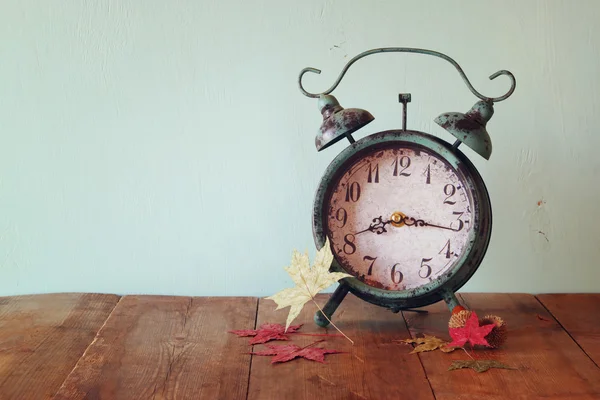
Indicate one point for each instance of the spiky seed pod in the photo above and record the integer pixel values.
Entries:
(459, 319)
(497, 335)
(458, 309)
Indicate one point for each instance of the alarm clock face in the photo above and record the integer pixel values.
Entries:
(399, 216)
(406, 214)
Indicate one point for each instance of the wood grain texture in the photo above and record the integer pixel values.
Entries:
(159, 347)
(549, 364)
(43, 336)
(579, 314)
(374, 368)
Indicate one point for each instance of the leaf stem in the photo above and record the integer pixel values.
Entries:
(312, 344)
(330, 321)
(317, 334)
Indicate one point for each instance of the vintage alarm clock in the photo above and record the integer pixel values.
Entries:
(406, 213)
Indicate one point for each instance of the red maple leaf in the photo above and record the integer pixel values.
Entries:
(288, 352)
(267, 332)
(470, 333)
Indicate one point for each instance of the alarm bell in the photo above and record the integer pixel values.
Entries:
(470, 128)
(338, 123)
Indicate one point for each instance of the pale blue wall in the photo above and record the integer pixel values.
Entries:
(163, 146)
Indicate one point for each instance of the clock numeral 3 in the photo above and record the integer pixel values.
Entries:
(449, 190)
(425, 270)
(461, 223)
(349, 246)
(353, 192)
(404, 163)
(342, 216)
(396, 274)
(373, 174)
(372, 259)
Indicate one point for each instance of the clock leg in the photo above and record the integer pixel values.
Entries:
(450, 299)
(332, 305)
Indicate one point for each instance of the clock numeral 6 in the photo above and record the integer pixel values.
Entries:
(349, 246)
(396, 274)
(353, 192)
(425, 270)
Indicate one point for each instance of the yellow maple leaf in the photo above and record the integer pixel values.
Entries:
(309, 281)
(427, 343)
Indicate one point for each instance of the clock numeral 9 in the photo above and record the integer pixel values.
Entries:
(396, 274)
(353, 192)
(349, 246)
(425, 270)
(404, 163)
(342, 216)
(449, 190)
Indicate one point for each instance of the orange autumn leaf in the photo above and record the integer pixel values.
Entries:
(427, 343)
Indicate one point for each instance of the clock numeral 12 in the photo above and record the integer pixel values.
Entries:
(404, 163)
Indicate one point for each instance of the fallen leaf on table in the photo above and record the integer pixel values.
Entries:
(427, 343)
(478, 365)
(267, 332)
(284, 353)
(470, 333)
(309, 281)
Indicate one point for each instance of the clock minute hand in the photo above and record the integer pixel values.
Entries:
(411, 221)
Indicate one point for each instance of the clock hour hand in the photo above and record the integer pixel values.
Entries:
(377, 226)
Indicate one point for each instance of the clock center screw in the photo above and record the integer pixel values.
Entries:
(397, 219)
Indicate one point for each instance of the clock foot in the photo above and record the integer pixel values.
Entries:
(417, 311)
(332, 305)
(450, 299)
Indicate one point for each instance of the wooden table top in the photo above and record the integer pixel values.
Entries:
(98, 346)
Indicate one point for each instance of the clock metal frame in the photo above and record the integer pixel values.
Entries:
(441, 288)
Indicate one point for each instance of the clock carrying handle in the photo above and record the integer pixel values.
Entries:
(513, 82)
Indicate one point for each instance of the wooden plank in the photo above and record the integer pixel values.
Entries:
(164, 347)
(549, 364)
(43, 336)
(579, 314)
(374, 368)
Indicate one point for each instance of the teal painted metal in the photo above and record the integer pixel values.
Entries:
(417, 51)
(468, 128)
(470, 259)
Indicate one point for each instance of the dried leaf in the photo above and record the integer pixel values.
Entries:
(267, 332)
(284, 353)
(427, 343)
(309, 281)
(470, 333)
(478, 365)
